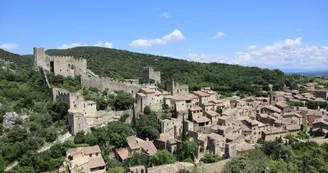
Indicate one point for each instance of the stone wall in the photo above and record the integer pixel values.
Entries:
(59, 65)
(176, 88)
(150, 76)
(102, 83)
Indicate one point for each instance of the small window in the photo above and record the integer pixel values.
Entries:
(90, 155)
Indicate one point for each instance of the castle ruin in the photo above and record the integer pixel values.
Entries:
(150, 76)
(59, 65)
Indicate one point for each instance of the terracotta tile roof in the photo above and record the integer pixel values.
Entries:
(244, 146)
(201, 93)
(196, 108)
(96, 161)
(171, 168)
(214, 167)
(164, 137)
(91, 150)
(216, 137)
(123, 153)
(132, 142)
(272, 108)
(200, 119)
(141, 94)
(147, 90)
(148, 147)
(212, 113)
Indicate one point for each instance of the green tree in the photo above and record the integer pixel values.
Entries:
(161, 157)
(2, 165)
(148, 126)
(118, 132)
(59, 110)
(79, 138)
(187, 150)
(210, 158)
(123, 101)
(147, 110)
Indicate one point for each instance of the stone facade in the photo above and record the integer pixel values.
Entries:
(59, 65)
(150, 76)
(176, 88)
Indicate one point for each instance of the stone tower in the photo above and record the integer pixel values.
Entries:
(39, 56)
(176, 88)
(150, 76)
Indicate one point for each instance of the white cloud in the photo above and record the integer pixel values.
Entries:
(175, 35)
(165, 15)
(288, 54)
(218, 35)
(252, 47)
(106, 44)
(8, 46)
(100, 44)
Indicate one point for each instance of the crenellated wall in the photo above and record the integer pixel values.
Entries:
(102, 83)
(59, 65)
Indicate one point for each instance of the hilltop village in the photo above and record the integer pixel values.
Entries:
(222, 126)
(217, 128)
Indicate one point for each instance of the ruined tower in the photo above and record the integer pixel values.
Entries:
(176, 88)
(150, 76)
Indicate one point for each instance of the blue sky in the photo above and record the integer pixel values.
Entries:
(284, 34)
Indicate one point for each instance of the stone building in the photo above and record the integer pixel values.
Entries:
(59, 65)
(149, 76)
(87, 159)
(176, 88)
(151, 96)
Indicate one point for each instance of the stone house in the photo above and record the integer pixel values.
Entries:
(255, 128)
(87, 159)
(176, 88)
(320, 124)
(216, 144)
(145, 147)
(270, 109)
(197, 116)
(167, 142)
(311, 115)
(204, 97)
(181, 102)
(151, 96)
(213, 116)
(284, 107)
(322, 93)
(273, 133)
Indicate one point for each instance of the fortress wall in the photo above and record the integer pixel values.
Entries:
(103, 83)
(62, 66)
(79, 65)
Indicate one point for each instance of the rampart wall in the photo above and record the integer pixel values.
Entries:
(104, 82)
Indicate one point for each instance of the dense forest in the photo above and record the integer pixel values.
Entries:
(279, 157)
(221, 77)
(23, 90)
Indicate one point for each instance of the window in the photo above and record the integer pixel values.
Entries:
(90, 155)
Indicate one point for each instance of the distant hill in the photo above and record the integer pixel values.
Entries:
(221, 77)
(25, 61)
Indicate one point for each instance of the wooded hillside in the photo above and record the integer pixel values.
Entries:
(221, 77)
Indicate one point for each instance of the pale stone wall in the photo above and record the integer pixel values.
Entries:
(103, 83)
(59, 65)
(76, 122)
(176, 88)
(151, 76)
